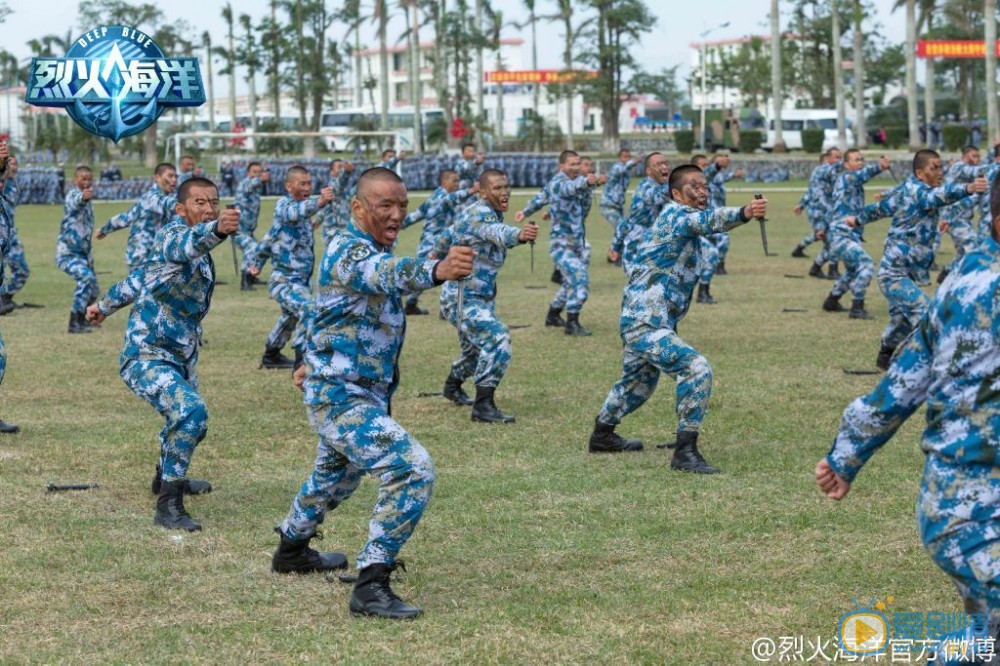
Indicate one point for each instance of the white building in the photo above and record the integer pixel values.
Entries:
(518, 98)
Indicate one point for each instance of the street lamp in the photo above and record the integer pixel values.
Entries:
(704, 68)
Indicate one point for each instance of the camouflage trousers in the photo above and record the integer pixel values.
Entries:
(484, 339)
(16, 267)
(3, 359)
(907, 304)
(173, 391)
(355, 439)
(295, 300)
(573, 262)
(81, 269)
(817, 223)
(612, 214)
(649, 352)
(858, 267)
(965, 544)
(721, 241)
(708, 260)
(247, 244)
(963, 236)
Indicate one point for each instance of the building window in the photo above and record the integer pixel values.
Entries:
(397, 62)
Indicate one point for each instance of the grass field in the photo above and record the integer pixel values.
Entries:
(532, 550)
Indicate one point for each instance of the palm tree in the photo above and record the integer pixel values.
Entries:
(777, 94)
(533, 19)
(412, 34)
(382, 16)
(248, 55)
(230, 55)
(860, 133)
(206, 41)
(570, 36)
(494, 29)
(351, 15)
(838, 76)
(911, 74)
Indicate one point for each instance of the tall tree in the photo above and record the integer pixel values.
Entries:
(619, 26)
(860, 131)
(350, 14)
(911, 75)
(494, 29)
(533, 19)
(838, 77)
(206, 41)
(777, 93)
(248, 54)
(570, 36)
(412, 9)
(229, 53)
(382, 16)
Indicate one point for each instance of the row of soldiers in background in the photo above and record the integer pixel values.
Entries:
(923, 206)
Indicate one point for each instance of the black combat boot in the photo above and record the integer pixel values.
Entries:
(721, 268)
(884, 358)
(273, 359)
(942, 275)
(573, 326)
(554, 318)
(413, 309)
(704, 296)
(298, 557)
(299, 360)
(687, 458)
(557, 277)
(170, 511)
(485, 410)
(858, 310)
(78, 323)
(7, 304)
(373, 596)
(8, 428)
(832, 303)
(604, 440)
(246, 283)
(453, 391)
(831, 271)
(817, 272)
(191, 486)
(799, 251)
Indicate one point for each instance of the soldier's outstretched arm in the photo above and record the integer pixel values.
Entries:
(298, 210)
(364, 270)
(120, 295)
(537, 202)
(871, 420)
(119, 221)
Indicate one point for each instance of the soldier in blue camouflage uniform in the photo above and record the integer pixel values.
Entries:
(567, 238)
(613, 197)
(468, 166)
(437, 213)
(648, 200)
(708, 255)
(14, 264)
(390, 159)
(248, 194)
(655, 299)
(336, 216)
(73, 248)
(908, 249)
(170, 295)
(289, 245)
(817, 202)
(8, 200)
(717, 174)
(186, 169)
(849, 199)
(958, 218)
(483, 338)
(950, 363)
(350, 374)
(146, 217)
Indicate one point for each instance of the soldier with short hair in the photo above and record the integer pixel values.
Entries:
(9, 195)
(170, 296)
(15, 263)
(74, 255)
(350, 374)
(654, 302)
(150, 212)
(468, 166)
(248, 195)
(817, 202)
(483, 338)
(289, 245)
(650, 196)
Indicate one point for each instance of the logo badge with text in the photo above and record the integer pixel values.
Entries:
(864, 630)
(115, 82)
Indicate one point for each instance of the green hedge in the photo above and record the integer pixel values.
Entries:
(684, 140)
(812, 140)
(750, 141)
(955, 136)
(896, 136)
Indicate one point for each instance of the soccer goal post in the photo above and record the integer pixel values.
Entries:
(393, 139)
